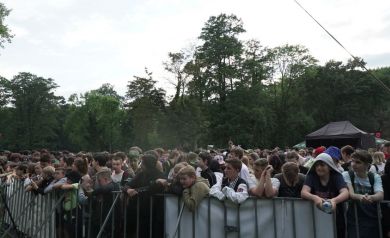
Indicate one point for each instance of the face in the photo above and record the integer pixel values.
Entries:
(201, 163)
(258, 170)
(250, 159)
(230, 172)
(187, 181)
(322, 169)
(59, 174)
(116, 165)
(38, 170)
(358, 166)
(294, 160)
(232, 156)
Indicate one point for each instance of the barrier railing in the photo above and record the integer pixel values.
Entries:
(116, 215)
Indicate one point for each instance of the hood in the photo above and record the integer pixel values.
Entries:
(326, 159)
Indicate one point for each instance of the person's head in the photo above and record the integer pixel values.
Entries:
(346, 152)
(323, 166)
(177, 168)
(276, 162)
(45, 160)
(361, 161)
(259, 166)
(292, 156)
(187, 176)
(386, 148)
(99, 160)
(160, 152)
(204, 160)
(149, 161)
(236, 153)
(378, 157)
(290, 171)
(116, 164)
(38, 169)
(104, 177)
(232, 168)
(318, 151)
(252, 158)
(173, 156)
(48, 172)
(59, 173)
(245, 160)
(302, 152)
(80, 165)
(21, 170)
(73, 177)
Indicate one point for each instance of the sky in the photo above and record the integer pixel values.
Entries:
(82, 44)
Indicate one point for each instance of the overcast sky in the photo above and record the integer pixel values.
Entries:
(82, 44)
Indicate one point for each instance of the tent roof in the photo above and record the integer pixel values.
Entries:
(336, 130)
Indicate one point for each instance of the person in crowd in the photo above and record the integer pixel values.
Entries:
(386, 150)
(195, 188)
(134, 162)
(99, 161)
(252, 158)
(173, 185)
(217, 165)
(291, 180)
(293, 156)
(315, 153)
(59, 179)
(365, 190)
(170, 162)
(40, 185)
(346, 152)
(21, 172)
(118, 175)
(142, 187)
(237, 153)
(232, 186)
(335, 153)
(192, 159)
(263, 185)
(325, 182)
(203, 163)
(81, 166)
(276, 163)
(378, 163)
(386, 196)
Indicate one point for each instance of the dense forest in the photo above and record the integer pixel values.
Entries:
(226, 89)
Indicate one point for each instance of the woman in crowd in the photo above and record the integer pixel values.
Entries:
(378, 163)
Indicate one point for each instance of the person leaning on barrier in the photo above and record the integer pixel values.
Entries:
(291, 181)
(40, 185)
(232, 187)
(263, 185)
(325, 182)
(173, 185)
(195, 188)
(365, 190)
(386, 206)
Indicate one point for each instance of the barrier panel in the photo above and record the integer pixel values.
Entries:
(279, 218)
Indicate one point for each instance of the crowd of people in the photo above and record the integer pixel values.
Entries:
(349, 182)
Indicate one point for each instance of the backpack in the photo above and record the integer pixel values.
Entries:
(371, 178)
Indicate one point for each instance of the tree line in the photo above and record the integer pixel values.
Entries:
(225, 89)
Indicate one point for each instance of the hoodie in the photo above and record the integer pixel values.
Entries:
(193, 195)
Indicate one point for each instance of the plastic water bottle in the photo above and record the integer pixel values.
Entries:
(327, 206)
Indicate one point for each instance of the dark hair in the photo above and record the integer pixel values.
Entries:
(68, 160)
(81, 165)
(45, 158)
(101, 158)
(276, 163)
(205, 156)
(363, 156)
(347, 149)
(215, 167)
(22, 167)
(120, 154)
(235, 163)
(387, 144)
(292, 155)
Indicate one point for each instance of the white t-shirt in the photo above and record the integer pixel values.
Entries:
(253, 182)
(116, 178)
(381, 168)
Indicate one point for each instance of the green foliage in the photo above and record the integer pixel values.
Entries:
(5, 32)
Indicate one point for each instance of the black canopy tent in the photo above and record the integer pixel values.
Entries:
(339, 134)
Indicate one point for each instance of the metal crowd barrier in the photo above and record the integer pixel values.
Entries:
(163, 216)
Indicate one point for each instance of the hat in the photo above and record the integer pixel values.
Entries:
(334, 152)
(133, 154)
(319, 150)
(219, 158)
(327, 160)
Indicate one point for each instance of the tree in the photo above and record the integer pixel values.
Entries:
(34, 107)
(5, 32)
(220, 53)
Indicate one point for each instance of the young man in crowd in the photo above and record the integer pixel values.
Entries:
(195, 188)
(346, 152)
(238, 153)
(291, 181)
(118, 175)
(203, 163)
(263, 185)
(365, 190)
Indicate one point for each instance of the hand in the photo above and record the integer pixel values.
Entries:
(318, 202)
(366, 198)
(269, 169)
(333, 204)
(163, 182)
(131, 192)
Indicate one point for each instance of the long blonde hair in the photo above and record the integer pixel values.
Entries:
(378, 158)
